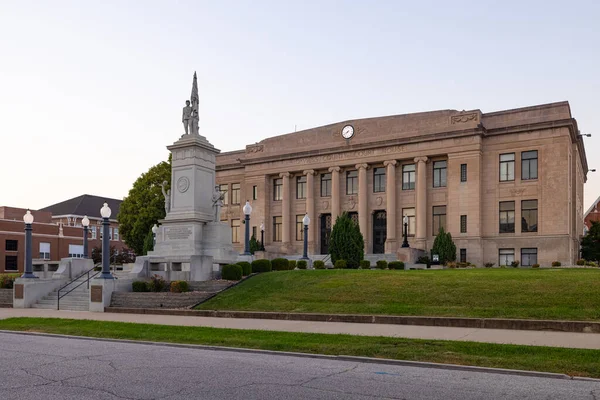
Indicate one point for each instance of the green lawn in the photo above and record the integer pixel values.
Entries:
(570, 294)
(534, 358)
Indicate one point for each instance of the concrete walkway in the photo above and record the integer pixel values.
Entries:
(532, 338)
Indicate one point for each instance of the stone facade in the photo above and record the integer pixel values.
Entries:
(457, 164)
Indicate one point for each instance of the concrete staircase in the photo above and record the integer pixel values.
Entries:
(77, 300)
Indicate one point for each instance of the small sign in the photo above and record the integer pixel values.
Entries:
(435, 258)
(96, 294)
(19, 291)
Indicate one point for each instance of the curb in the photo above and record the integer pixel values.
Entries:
(451, 322)
(365, 360)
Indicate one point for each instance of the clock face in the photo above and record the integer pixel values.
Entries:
(348, 132)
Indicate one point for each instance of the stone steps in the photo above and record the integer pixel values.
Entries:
(157, 300)
(77, 300)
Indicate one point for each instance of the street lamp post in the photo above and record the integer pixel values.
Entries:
(154, 231)
(405, 242)
(305, 222)
(262, 236)
(85, 222)
(28, 219)
(105, 212)
(247, 211)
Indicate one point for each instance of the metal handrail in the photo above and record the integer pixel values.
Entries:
(327, 258)
(81, 283)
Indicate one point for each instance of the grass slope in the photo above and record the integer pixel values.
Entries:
(533, 358)
(494, 293)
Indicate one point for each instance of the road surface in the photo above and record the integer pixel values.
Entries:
(48, 368)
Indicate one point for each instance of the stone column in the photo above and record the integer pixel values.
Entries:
(363, 213)
(335, 193)
(421, 201)
(310, 207)
(390, 194)
(285, 210)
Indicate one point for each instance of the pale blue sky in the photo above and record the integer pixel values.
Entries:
(91, 92)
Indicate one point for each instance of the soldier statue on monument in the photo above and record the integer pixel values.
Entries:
(186, 116)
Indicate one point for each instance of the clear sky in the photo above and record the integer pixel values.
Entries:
(91, 92)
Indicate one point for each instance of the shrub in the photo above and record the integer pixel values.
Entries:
(535, 266)
(246, 267)
(590, 264)
(157, 284)
(556, 263)
(301, 264)
(424, 260)
(488, 265)
(444, 247)
(365, 264)
(280, 264)
(451, 265)
(139, 286)
(382, 264)
(346, 241)
(318, 264)
(261, 266)
(7, 282)
(396, 265)
(581, 261)
(514, 264)
(292, 264)
(352, 264)
(179, 287)
(254, 245)
(340, 264)
(232, 272)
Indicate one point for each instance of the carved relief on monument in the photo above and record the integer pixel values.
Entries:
(517, 191)
(379, 200)
(183, 184)
(464, 118)
(349, 204)
(255, 148)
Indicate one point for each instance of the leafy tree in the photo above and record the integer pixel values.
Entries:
(116, 257)
(590, 243)
(444, 247)
(254, 245)
(144, 206)
(346, 241)
(148, 242)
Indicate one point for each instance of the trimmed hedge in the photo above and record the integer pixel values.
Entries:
(291, 264)
(535, 266)
(556, 263)
(581, 261)
(365, 264)
(351, 264)
(280, 264)
(261, 266)
(179, 287)
(232, 272)
(382, 264)
(246, 267)
(396, 265)
(341, 264)
(301, 264)
(139, 286)
(318, 264)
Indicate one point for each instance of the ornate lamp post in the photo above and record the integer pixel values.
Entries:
(85, 222)
(262, 236)
(405, 242)
(305, 222)
(154, 231)
(28, 219)
(247, 211)
(105, 212)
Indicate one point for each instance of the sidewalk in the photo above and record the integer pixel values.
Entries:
(532, 338)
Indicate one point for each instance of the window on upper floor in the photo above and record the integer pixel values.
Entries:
(529, 216)
(439, 173)
(378, 180)
(463, 172)
(254, 192)
(326, 184)
(529, 165)
(44, 251)
(235, 230)
(439, 219)
(11, 245)
(76, 251)
(507, 167)
(409, 213)
(408, 177)
(235, 193)
(277, 189)
(10, 263)
(116, 234)
(463, 224)
(352, 182)
(277, 222)
(94, 232)
(224, 189)
(507, 217)
(301, 187)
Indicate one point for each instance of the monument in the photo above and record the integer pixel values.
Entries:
(191, 242)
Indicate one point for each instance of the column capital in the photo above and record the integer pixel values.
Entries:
(285, 175)
(390, 162)
(309, 172)
(360, 166)
(334, 169)
(421, 159)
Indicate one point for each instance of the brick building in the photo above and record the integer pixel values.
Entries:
(57, 231)
(592, 214)
(507, 185)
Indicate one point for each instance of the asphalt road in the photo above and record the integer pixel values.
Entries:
(39, 367)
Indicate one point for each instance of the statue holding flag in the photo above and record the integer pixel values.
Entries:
(194, 99)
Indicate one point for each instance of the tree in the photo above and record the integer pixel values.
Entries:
(144, 206)
(254, 245)
(346, 241)
(590, 243)
(116, 257)
(444, 247)
(148, 243)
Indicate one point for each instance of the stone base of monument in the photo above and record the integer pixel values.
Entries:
(409, 255)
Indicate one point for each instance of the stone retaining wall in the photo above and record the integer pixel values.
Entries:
(6, 298)
(157, 300)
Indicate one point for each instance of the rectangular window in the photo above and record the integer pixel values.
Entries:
(235, 230)
(301, 187)
(507, 217)
(463, 224)
(352, 182)
(224, 189)
(254, 192)
(408, 177)
(235, 193)
(410, 213)
(10, 263)
(326, 185)
(506, 256)
(378, 180)
(528, 257)
(110, 233)
(463, 255)
(463, 172)
(507, 167)
(277, 221)
(439, 219)
(116, 234)
(529, 216)
(254, 233)
(529, 165)
(299, 227)
(439, 173)
(12, 245)
(45, 251)
(76, 251)
(94, 233)
(277, 189)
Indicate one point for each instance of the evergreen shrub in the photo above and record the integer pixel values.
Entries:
(292, 264)
(301, 264)
(352, 264)
(346, 241)
(340, 264)
(382, 264)
(179, 287)
(365, 264)
(280, 264)
(444, 247)
(139, 286)
(318, 264)
(232, 272)
(556, 263)
(396, 265)
(246, 267)
(261, 266)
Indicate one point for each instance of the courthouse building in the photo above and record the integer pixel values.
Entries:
(507, 185)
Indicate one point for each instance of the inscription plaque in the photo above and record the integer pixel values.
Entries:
(178, 233)
(19, 291)
(96, 294)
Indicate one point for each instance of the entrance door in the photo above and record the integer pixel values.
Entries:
(379, 231)
(325, 232)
